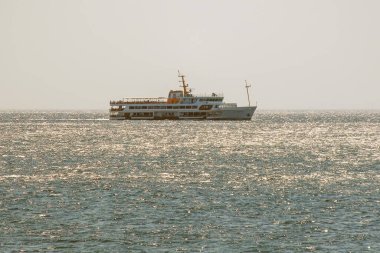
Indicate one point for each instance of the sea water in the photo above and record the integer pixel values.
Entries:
(283, 182)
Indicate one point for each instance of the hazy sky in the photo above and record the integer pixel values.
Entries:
(297, 54)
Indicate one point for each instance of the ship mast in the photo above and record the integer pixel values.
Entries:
(184, 85)
(247, 86)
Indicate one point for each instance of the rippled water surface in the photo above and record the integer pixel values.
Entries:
(283, 182)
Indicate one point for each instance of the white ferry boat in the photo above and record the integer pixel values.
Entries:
(180, 105)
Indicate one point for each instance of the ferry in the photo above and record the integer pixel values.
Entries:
(180, 105)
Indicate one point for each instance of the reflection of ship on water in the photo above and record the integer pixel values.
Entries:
(180, 104)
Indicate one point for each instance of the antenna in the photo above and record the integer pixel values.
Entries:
(184, 85)
(247, 86)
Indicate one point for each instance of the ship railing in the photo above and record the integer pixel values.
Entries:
(208, 95)
(160, 100)
(228, 105)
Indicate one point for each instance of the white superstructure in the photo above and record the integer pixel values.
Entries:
(180, 104)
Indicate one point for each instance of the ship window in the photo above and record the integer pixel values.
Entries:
(194, 107)
(131, 107)
(182, 107)
(143, 107)
(170, 107)
(163, 107)
(188, 107)
(205, 107)
(150, 107)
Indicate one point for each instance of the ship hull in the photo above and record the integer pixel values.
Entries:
(234, 113)
(237, 113)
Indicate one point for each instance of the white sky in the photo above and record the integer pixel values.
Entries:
(297, 54)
